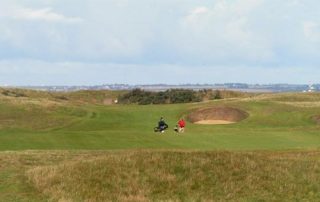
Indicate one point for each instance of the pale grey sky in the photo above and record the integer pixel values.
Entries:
(74, 42)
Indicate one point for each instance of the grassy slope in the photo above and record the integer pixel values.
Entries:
(159, 175)
(272, 124)
(42, 121)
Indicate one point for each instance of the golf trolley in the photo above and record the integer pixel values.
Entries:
(160, 129)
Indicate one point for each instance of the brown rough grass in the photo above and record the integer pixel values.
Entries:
(302, 104)
(47, 99)
(287, 97)
(182, 176)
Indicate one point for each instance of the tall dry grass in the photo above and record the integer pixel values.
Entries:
(182, 176)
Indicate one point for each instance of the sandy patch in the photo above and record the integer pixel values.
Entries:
(217, 115)
(214, 122)
(107, 101)
(316, 119)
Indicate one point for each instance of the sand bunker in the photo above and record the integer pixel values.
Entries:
(316, 119)
(214, 122)
(217, 115)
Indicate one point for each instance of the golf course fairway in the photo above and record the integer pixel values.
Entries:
(75, 147)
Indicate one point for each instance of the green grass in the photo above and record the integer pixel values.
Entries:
(271, 156)
(271, 126)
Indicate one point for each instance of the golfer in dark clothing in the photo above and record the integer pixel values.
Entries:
(162, 126)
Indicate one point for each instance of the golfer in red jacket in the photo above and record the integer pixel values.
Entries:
(182, 125)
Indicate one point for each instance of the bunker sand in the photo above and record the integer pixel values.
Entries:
(316, 119)
(214, 122)
(217, 115)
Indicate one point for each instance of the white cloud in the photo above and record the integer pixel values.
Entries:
(196, 13)
(311, 30)
(47, 14)
(224, 30)
(200, 10)
(295, 3)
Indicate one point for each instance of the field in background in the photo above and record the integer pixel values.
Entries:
(81, 147)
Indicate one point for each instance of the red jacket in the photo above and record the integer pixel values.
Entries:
(182, 123)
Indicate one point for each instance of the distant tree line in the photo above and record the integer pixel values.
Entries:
(142, 97)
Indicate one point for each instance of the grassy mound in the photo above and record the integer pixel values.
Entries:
(182, 176)
(98, 97)
(290, 97)
(41, 110)
(217, 115)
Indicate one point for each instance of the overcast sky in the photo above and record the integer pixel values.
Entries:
(75, 42)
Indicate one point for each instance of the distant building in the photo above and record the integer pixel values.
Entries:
(311, 89)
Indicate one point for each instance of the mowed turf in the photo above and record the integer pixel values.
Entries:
(272, 125)
(88, 151)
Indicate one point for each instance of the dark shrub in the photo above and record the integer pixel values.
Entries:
(139, 96)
